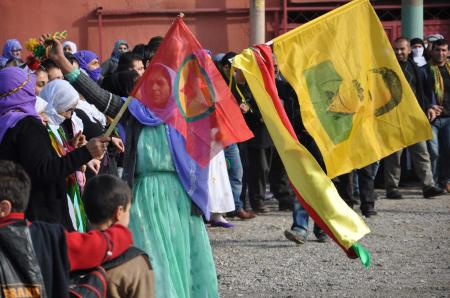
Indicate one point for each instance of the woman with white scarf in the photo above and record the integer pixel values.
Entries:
(62, 100)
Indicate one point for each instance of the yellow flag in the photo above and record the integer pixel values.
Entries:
(354, 98)
(311, 185)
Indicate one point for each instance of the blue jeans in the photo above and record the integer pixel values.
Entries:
(235, 172)
(301, 218)
(439, 149)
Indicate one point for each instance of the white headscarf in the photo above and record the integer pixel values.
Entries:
(92, 112)
(61, 96)
(72, 46)
(40, 105)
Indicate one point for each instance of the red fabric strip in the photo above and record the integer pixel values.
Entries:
(263, 55)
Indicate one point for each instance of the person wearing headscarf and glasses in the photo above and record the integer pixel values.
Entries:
(11, 50)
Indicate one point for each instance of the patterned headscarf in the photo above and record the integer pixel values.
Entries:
(17, 97)
(439, 81)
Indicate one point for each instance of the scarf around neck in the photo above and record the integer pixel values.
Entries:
(439, 82)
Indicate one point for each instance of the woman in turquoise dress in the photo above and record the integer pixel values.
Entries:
(169, 193)
(162, 223)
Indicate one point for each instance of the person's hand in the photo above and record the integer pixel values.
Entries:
(54, 49)
(438, 109)
(118, 144)
(97, 146)
(78, 140)
(94, 165)
(431, 114)
(244, 108)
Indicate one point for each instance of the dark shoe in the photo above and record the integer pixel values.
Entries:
(221, 224)
(261, 209)
(355, 200)
(394, 195)
(295, 236)
(321, 236)
(368, 213)
(242, 214)
(432, 191)
(286, 206)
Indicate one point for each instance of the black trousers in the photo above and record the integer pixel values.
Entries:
(279, 182)
(258, 170)
(367, 194)
(366, 176)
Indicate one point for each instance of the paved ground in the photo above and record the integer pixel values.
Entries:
(409, 242)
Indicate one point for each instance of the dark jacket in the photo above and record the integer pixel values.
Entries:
(420, 82)
(57, 252)
(430, 87)
(253, 118)
(49, 242)
(110, 105)
(28, 144)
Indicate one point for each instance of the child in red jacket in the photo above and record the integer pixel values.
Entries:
(40, 255)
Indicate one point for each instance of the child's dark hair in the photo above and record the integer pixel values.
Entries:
(71, 57)
(48, 64)
(103, 195)
(126, 61)
(144, 52)
(15, 185)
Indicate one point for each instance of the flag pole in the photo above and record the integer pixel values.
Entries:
(118, 116)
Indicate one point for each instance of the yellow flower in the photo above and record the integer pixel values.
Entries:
(31, 44)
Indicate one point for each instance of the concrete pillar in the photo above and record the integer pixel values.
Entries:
(412, 18)
(257, 22)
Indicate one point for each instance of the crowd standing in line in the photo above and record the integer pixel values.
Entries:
(84, 194)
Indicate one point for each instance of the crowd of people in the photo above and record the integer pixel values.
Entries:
(83, 196)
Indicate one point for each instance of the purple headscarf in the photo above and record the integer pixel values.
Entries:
(10, 45)
(17, 97)
(85, 57)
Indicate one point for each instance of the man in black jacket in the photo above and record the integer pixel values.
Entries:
(419, 152)
(438, 71)
(260, 148)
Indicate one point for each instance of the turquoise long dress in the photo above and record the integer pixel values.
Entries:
(163, 226)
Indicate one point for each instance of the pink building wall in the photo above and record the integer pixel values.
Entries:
(227, 29)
